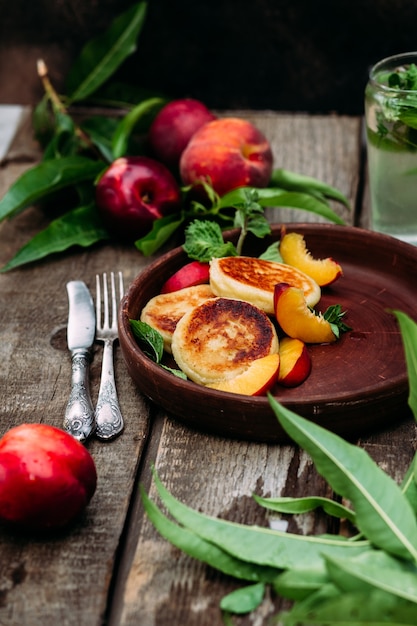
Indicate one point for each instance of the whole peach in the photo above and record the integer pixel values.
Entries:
(47, 477)
(173, 128)
(229, 153)
(132, 193)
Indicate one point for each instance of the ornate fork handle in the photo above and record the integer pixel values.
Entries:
(79, 413)
(109, 420)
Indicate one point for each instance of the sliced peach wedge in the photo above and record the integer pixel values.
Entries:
(254, 381)
(297, 320)
(294, 362)
(294, 252)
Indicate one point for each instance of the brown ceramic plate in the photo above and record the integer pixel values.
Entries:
(356, 385)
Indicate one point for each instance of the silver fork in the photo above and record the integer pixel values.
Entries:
(109, 420)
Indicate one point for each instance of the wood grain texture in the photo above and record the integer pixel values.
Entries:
(76, 578)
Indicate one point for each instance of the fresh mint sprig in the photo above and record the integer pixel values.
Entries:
(204, 241)
(334, 315)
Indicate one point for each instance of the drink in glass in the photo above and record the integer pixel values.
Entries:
(391, 128)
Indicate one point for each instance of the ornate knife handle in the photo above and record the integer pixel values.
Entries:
(79, 414)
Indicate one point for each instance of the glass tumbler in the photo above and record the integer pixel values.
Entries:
(391, 131)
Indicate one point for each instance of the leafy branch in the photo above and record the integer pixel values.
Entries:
(368, 579)
(76, 152)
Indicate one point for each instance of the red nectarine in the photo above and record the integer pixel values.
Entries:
(228, 153)
(173, 127)
(191, 274)
(132, 193)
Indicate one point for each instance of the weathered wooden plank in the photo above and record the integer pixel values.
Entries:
(64, 578)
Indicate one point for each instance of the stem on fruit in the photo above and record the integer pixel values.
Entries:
(47, 85)
(59, 105)
(242, 236)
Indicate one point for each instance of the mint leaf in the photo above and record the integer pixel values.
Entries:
(204, 240)
(150, 340)
(334, 315)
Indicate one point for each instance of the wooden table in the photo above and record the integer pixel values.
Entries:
(112, 567)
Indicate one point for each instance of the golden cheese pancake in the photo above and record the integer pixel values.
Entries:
(218, 339)
(253, 280)
(163, 312)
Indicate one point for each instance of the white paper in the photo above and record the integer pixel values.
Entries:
(10, 117)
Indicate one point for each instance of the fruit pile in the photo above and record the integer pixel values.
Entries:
(140, 168)
(188, 145)
(219, 343)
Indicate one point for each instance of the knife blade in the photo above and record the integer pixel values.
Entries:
(79, 413)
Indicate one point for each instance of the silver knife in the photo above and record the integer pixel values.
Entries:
(79, 414)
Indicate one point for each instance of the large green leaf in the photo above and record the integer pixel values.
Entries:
(161, 231)
(79, 227)
(409, 337)
(354, 575)
(46, 178)
(305, 505)
(291, 181)
(127, 124)
(202, 550)
(100, 58)
(333, 608)
(274, 197)
(258, 545)
(383, 513)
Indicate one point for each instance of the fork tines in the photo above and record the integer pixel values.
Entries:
(105, 322)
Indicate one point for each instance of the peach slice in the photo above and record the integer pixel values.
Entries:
(255, 381)
(294, 362)
(190, 275)
(296, 319)
(294, 252)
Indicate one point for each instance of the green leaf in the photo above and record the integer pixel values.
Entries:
(351, 575)
(202, 550)
(383, 513)
(272, 253)
(334, 315)
(79, 227)
(128, 122)
(409, 337)
(306, 505)
(259, 545)
(102, 56)
(297, 583)
(291, 181)
(409, 484)
(100, 129)
(162, 229)
(243, 600)
(273, 197)
(150, 340)
(44, 179)
(204, 240)
(64, 141)
(351, 609)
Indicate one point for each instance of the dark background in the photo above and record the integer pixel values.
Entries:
(287, 55)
